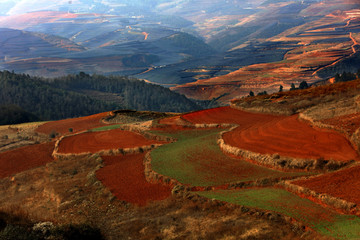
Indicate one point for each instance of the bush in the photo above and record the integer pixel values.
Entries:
(78, 232)
(18, 232)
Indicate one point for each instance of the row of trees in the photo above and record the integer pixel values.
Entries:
(302, 85)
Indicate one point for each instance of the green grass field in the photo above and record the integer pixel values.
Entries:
(320, 219)
(106, 128)
(197, 160)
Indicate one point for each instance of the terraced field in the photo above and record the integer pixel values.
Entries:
(322, 220)
(344, 184)
(104, 140)
(76, 124)
(229, 115)
(197, 160)
(124, 176)
(293, 138)
(25, 158)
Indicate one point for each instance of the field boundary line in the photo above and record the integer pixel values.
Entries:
(339, 204)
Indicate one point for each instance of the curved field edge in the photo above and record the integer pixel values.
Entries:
(124, 176)
(280, 162)
(197, 160)
(318, 218)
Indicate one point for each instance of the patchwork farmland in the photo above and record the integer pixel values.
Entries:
(284, 170)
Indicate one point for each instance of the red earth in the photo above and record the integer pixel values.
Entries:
(288, 136)
(270, 134)
(344, 184)
(77, 124)
(124, 176)
(229, 115)
(349, 123)
(96, 141)
(25, 158)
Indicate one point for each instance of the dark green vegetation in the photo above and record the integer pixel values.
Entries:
(12, 114)
(82, 94)
(347, 76)
(197, 160)
(324, 221)
(350, 64)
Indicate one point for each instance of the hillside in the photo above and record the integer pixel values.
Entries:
(323, 48)
(80, 95)
(247, 171)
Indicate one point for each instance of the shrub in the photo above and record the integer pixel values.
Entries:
(52, 134)
(79, 232)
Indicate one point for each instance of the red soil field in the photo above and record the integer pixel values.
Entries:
(344, 184)
(24, 158)
(291, 137)
(77, 124)
(349, 123)
(124, 176)
(96, 141)
(229, 115)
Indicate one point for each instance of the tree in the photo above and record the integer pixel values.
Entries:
(262, 93)
(292, 87)
(251, 94)
(303, 85)
(281, 88)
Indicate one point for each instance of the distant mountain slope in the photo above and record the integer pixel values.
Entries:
(80, 95)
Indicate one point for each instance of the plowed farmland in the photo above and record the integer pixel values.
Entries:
(344, 184)
(197, 160)
(25, 158)
(77, 124)
(124, 176)
(229, 115)
(323, 220)
(293, 138)
(96, 141)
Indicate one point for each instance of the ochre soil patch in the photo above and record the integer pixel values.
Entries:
(124, 176)
(24, 158)
(291, 137)
(349, 123)
(96, 141)
(344, 184)
(229, 115)
(77, 124)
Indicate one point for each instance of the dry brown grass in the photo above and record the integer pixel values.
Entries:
(291, 102)
(67, 191)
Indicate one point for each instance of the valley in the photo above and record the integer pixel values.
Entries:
(221, 119)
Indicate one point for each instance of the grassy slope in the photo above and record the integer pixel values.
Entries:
(196, 159)
(322, 220)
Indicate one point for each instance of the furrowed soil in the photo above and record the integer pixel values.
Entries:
(293, 138)
(270, 134)
(344, 184)
(77, 124)
(197, 160)
(25, 158)
(96, 141)
(229, 115)
(124, 176)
